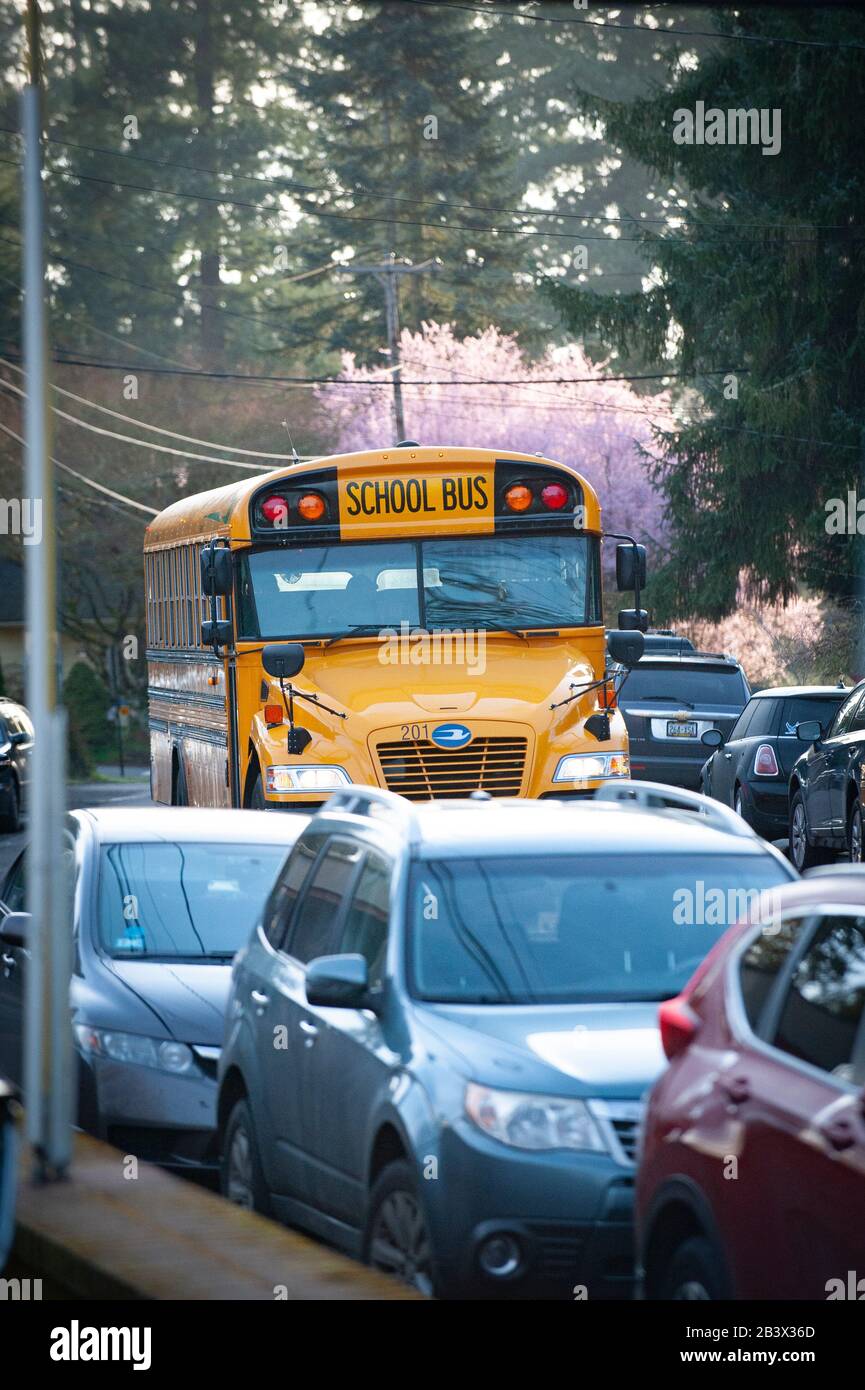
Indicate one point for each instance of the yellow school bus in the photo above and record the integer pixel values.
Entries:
(421, 618)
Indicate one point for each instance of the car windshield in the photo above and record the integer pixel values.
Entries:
(182, 901)
(471, 582)
(574, 929)
(712, 685)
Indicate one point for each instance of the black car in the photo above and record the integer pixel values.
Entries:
(669, 702)
(750, 771)
(664, 639)
(16, 743)
(827, 786)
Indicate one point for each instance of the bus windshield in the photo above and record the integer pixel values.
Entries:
(485, 582)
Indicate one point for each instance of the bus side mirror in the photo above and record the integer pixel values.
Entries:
(633, 619)
(630, 567)
(625, 648)
(282, 660)
(216, 634)
(216, 572)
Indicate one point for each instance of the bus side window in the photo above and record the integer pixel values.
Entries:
(184, 594)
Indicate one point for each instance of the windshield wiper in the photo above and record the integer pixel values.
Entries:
(356, 630)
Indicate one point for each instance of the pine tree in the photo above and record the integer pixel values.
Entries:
(406, 121)
(764, 277)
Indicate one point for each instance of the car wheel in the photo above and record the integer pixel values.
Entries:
(241, 1175)
(396, 1239)
(803, 855)
(10, 824)
(694, 1273)
(854, 833)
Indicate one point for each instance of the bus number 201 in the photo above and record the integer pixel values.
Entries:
(412, 732)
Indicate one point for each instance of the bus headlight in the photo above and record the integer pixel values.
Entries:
(583, 767)
(305, 779)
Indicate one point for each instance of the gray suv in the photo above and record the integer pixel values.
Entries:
(439, 1035)
(669, 701)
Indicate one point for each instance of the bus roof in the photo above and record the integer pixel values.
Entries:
(224, 511)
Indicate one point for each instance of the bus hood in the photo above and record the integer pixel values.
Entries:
(379, 680)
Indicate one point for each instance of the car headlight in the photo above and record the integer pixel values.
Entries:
(524, 1120)
(583, 767)
(170, 1056)
(306, 779)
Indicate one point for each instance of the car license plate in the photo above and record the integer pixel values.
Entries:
(677, 729)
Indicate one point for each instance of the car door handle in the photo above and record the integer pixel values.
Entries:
(311, 1032)
(9, 962)
(260, 1000)
(736, 1088)
(839, 1133)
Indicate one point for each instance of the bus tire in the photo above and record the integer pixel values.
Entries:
(256, 795)
(179, 789)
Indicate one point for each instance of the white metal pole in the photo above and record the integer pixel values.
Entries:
(47, 1033)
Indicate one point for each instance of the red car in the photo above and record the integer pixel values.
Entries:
(751, 1183)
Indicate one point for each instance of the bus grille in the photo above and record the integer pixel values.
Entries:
(422, 772)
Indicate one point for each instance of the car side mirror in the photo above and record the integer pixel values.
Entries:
(20, 737)
(713, 738)
(282, 660)
(625, 647)
(338, 982)
(809, 731)
(15, 929)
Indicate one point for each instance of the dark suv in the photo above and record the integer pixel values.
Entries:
(669, 702)
(827, 786)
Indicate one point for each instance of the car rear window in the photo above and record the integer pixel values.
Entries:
(711, 685)
(801, 707)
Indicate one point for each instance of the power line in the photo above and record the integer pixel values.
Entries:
(143, 424)
(639, 28)
(386, 382)
(128, 439)
(118, 496)
(459, 228)
(177, 295)
(364, 191)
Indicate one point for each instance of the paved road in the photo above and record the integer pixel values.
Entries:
(133, 790)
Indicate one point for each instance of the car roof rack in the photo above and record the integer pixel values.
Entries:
(376, 803)
(834, 871)
(658, 796)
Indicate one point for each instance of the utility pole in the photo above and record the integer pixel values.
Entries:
(386, 274)
(48, 1059)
